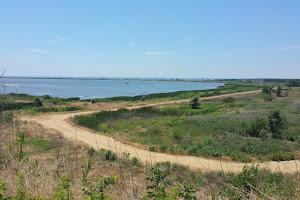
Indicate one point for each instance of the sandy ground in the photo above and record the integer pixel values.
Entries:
(59, 122)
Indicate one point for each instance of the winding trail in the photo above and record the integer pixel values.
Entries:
(59, 122)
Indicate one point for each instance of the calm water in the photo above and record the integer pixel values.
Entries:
(97, 88)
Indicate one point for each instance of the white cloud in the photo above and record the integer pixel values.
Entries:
(159, 53)
(186, 39)
(35, 50)
(132, 44)
(287, 48)
(51, 41)
(148, 44)
(61, 38)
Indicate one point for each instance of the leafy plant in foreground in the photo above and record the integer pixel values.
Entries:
(63, 190)
(96, 192)
(158, 189)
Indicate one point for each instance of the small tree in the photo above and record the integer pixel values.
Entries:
(267, 90)
(38, 102)
(278, 91)
(257, 128)
(276, 123)
(195, 103)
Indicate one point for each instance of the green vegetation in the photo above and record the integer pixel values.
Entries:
(278, 91)
(63, 190)
(294, 83)
(24, 101)
(42, 144)
(262, 182)
(38, 102)
(228, 100)
(35, 110)
(195, 103)
(157, 188)
(242, 129)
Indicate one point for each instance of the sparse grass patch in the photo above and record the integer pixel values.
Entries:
(42, 144)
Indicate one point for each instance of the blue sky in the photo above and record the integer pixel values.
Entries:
(180, 39)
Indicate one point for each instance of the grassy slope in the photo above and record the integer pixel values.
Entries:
(49, 159)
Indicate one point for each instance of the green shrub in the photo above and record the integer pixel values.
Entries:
(268, 98)
(152, 148)
(278, 91)
(267, 90)
(276, 123)
(157, 189)
(95, 191)
(281, 156)
(257, 128)
(163, 148)
(194, 104)
(92, 152)
(135, 161)
(228, 100)
(63, 189)
(110, 156)
(38, 102)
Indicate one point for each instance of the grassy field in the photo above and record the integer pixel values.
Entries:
(241, 130)
(38, 164)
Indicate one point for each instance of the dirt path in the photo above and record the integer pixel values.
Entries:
(58, 121)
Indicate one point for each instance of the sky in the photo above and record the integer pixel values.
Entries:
(162, 39)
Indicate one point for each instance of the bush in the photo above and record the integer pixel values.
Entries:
(195, 103)
(228, 100)
(135, 161)
(276, 124)
(267, 90)
(257, 128)
(278, 91)
(63, 189)
(152, 148)
(268, 98)
(280, 156)
(110, 156)
(38, 102)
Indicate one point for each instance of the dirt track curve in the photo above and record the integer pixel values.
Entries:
(58, 121)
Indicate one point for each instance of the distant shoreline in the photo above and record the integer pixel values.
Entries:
(147, 79)
(115, 79)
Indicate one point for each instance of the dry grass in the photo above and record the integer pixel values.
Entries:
(67, 159)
